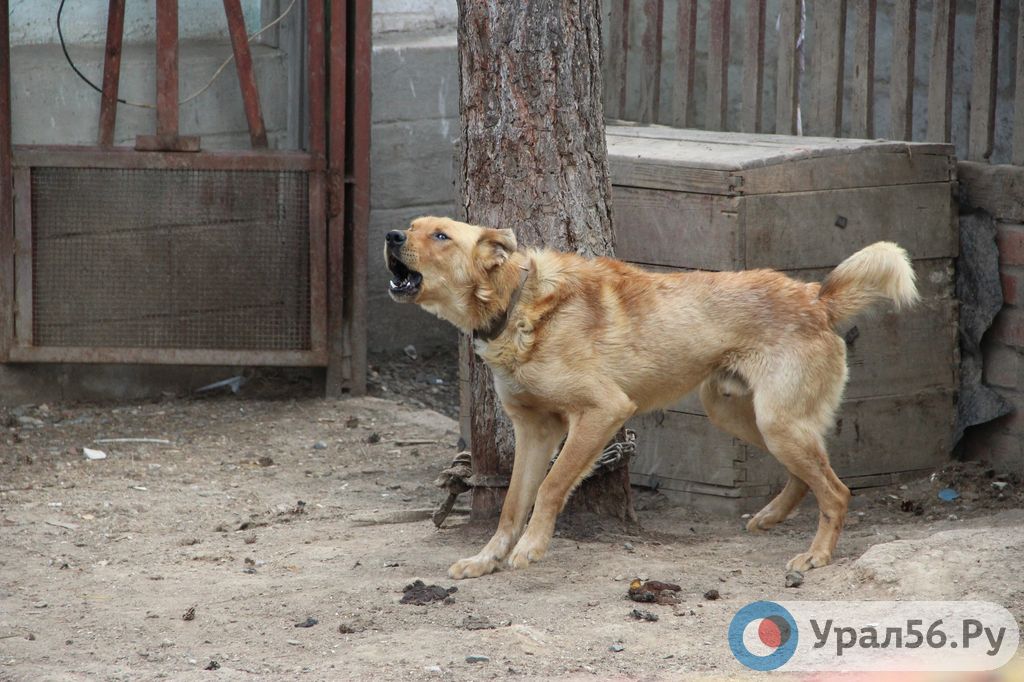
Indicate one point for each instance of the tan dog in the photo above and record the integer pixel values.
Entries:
(579, 346)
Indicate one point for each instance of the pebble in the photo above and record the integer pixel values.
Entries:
(433, 669)
(478, 658)
(794, 579)
(711, 595)
(620, 577)
(616, 647)
(999, 485)
(319, 445)
(628, 546)
(294, 642)
(39, 605)
(373, 438)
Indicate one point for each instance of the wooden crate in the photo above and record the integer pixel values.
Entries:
(690, 199)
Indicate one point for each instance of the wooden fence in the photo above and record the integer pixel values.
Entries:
(820, 87)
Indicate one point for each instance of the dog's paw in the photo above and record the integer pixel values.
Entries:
(763, 520)
(525, 554)
(808, 560)
(473, 567)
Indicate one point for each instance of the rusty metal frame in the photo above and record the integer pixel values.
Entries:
(337, 163)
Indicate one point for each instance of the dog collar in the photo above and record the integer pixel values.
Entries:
(498, 326)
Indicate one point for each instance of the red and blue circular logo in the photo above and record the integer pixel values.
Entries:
(763, 635)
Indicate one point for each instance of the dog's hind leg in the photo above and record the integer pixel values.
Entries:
(734, 414)
(589, 432)
(537, 436)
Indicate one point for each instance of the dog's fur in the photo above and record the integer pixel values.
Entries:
(593, 342)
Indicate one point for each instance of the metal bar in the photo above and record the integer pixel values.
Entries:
(787, 81)
(167, 67)
(940, 78)
(319, 293)
(6, 189)
(862, 101)
(828, 51)
(650, 44)
(615, 60)
(317, 78)
(686, 63)
(717, 103)
(67, 156)
(983, 80)
(337, 73)
(901, 87)
(1018, 97)
(168, 356)
(753, 67)
(23, 311)
(359, 134)
(111, 72)
(246, 75)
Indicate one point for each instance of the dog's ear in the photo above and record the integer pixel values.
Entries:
(495, 246)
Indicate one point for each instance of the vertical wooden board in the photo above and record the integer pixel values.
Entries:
(615, 59)
(1018, 97)
(686, 447)
(753, 67)
(167, 67)
(901, 86)
(862, 101)
(827, 35)
(940, 76)
(676, 229)
(111, 72)
(787, 81)
(983, 80)
(23, 257)
(820, 229)
(685, 63)
(650, 46)
(718, 66)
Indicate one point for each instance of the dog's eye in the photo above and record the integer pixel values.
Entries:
(441, 236)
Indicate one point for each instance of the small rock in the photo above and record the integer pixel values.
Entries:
(319, 445)
(373, 438)
(637, 614)
(249, 570)
(351, 422)
(620, 577)
(212, 665)
(265, 461)
(347, 629)
(93, 454)
(478, 658)
(794, 579)
(711, 595)
(30, 422)
(628, 546)
(410, 352)
(293, 642)
(190, 614)
(999, 485)
(39, 605)
(308, 623)
(250, 539)
(616, 647)
(166, 643)
(477, 623)
(435, 669)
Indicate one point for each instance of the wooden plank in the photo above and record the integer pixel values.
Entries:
(615, 59)
(676, 228)
(753, 67)
(901, 86)
(827, 35)
(787, 83)
(819, 229)
(121, 157)
(983, 80)
(998, 189)
(862, 101)
(23, 262)
(246, 74)
(111, 72)
(684, 446)
(6, 189)
(940, 77)
(1017, 156)
(650, 47)
(718, 66)
(167, 67)
(686, 62)
(316, 79)
(168, 356)
(844, 171)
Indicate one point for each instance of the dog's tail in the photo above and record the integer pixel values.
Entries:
(876, 272)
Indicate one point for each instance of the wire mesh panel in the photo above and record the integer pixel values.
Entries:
(175, 259)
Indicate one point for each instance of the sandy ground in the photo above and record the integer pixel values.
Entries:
(260, 514)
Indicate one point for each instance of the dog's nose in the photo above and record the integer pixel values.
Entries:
(394, 238)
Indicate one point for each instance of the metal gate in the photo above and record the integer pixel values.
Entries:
(163, 253)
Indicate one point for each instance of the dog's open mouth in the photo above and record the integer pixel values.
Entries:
(404, 282)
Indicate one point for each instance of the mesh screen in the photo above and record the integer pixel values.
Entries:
(170, 259)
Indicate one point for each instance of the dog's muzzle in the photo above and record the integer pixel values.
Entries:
(405, 282)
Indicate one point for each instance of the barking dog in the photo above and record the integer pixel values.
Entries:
(578, 346)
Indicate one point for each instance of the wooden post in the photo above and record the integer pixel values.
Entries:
(753, 67)
(111, 72)
(718, 66)
(686, 63)
(615, 65)
(862, 103)
(827, 36)
(940, 78)
(650, 43)
(787, 82)
(983, 81)
(901, 87)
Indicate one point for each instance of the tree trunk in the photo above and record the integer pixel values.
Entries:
(533, 158)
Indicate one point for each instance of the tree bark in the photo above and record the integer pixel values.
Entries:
(533, 158)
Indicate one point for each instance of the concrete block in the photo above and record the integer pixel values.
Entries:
(395, 325)
(415, 77)
(413, 15)
(51, 105)
(413, 163)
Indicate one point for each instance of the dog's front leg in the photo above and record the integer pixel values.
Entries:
(537, 436)
(588, 434)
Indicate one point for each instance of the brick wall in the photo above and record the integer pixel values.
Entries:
(999, 190)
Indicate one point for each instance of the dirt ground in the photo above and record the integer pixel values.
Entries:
(263, 511)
